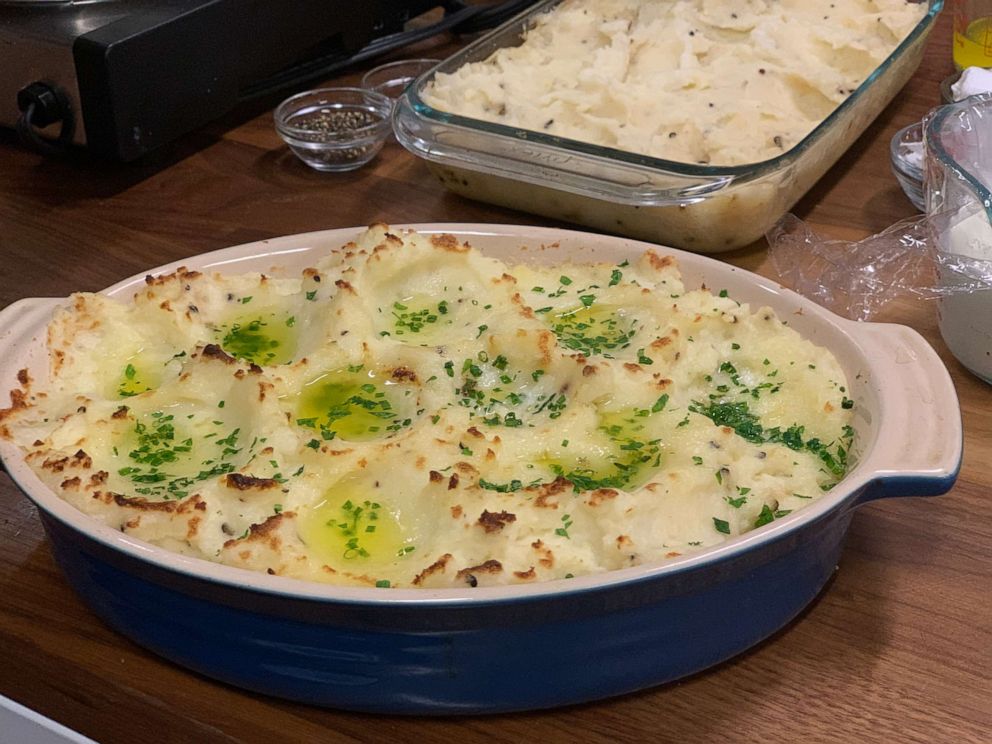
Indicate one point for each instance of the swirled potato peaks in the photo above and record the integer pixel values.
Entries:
(709, 82)
(412, 413)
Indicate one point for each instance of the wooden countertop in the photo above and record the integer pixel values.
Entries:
(897, 648)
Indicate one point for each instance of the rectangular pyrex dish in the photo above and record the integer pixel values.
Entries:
(702, 208)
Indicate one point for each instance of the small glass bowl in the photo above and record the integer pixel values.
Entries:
(335, 129)
(393, 78)
(945, 87)
(906, 153)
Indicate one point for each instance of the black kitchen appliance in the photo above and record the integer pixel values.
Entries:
(123, 77)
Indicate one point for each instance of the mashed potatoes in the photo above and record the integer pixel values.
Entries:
(410, 412)
(716, 82)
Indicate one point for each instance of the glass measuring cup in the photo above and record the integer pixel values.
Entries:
(958, 140)
(972, 33)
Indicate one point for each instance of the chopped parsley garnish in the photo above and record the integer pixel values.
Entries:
(159, 449)
(566, 522)
(413, 321)
(741, 499)
(633, 454)
(593, 332)
(355, 522)
(130, 385)
(498, 399)
(252, 342)
(738, 417)
(767, 515)
(721, 525)
(351, 409)
(513, 485)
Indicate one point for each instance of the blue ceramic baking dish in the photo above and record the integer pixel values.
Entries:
(485, 650)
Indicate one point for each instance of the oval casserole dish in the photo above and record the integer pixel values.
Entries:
(516, 647)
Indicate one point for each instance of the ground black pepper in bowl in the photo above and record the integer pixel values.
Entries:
(330, 123)
(335, 129)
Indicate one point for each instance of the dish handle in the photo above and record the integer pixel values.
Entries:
(20, 322)
(918, 445)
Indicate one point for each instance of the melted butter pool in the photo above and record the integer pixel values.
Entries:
(354, 528)
(139, 375)
(352, 405)
(163, 453)
(622, 454)
(264, 339)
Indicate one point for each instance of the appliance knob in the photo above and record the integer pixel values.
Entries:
(41, 105)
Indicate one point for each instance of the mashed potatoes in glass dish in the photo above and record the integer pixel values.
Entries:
(690, 123)
(714, 82)
(410, 412)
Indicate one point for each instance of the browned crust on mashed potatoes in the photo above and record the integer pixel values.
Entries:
(411, 413)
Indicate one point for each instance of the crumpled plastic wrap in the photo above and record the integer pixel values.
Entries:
(856, 279)
(945, 253)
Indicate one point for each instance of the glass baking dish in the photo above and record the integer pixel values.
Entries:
(702, 208)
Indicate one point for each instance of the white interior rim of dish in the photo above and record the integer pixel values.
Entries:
(229, 260)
